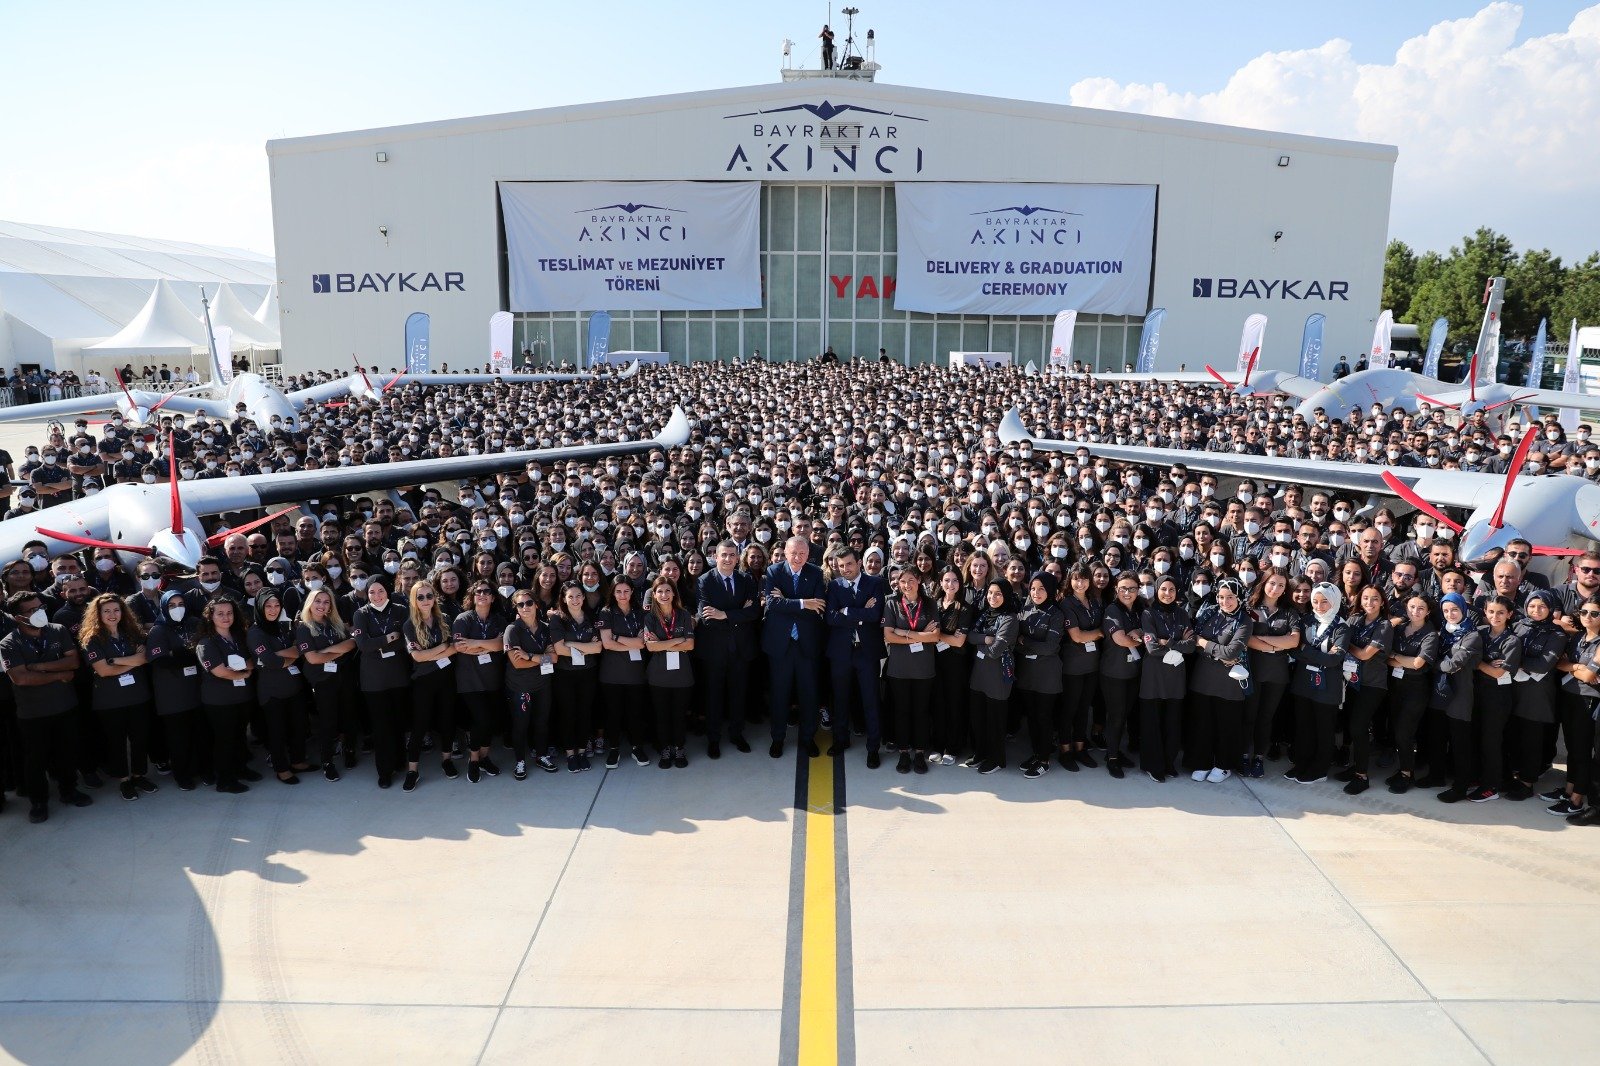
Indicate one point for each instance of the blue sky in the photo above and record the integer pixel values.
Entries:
(124, 119)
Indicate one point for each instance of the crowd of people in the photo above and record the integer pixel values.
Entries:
(845, 550)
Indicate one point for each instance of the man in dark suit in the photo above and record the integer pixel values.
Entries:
(794, 595)
(726, 642)
(855, 648)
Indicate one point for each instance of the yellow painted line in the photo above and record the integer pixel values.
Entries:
(819, 937)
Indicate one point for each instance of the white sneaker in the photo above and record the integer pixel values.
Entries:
(1198, 775)
(947, 760)
(1218, 774)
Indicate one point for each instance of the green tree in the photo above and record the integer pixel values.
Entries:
(1399, 278)
(1456, 290)
(1580, 297)
(1533, 287)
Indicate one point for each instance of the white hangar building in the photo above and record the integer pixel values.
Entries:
(825, 212)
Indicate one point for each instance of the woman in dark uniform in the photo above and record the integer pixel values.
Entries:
(431, 646)
(225, 691)
(530, 665)
(1535, 690)
(1492, 696)
(952, 670)
(479, 636)
(1317, 686)
(1119, 668)
(1275, 633)
(1580, 688)
(175, 674)
(1164, 679)
(1366, 670)
(331, 666)
(1040, 628)
(1080, 667)
(1412, 657)
(379, 632)
(669, 638)
(1216, 687)
(113, 646)
(623, 698)
(280, 686)
(910, 635)
(577, 647)
(993, 640)
(1453, 694)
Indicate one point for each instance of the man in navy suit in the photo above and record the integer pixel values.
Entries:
(855, 648)
(794, 595)
(725, 642)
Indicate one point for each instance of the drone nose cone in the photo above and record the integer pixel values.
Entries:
(184, 548)
(1480, 540)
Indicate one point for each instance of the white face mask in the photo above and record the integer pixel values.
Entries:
(149, 584)
(1185, 552)
(1163, 566)
(1202, 589)
(313, 584)
(211, 586)
(176, 612)
(1218, 559)
(276, 577)
(38, 619)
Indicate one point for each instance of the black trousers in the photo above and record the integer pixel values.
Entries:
(227, 739)
(126, 735)
(286, 731)
(626, 713)
(1118, 695)
(188, 749)
(989, 729)
(433, 706)
(722, 683)
(1313, 735)
(855, 687)
(671, 707)
(1464, 753)
(911, 710)
(330, 706)
(1577, 722)
(1260, 715)
(530, 722)
(1039, 710)
(48, 745)
(794, 674)
(1216, 731)
(947, 717)
(1528, 744)
(1491, 710)
(1363, 704)
(1075, 703)
(389, 710)
(1407, 698)
(1160, 735)
(481, 708)
(574, 701)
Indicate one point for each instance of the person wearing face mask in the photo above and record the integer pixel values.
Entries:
(226, 691)
(1217, 686)
(280, 685)
(1580, 688)
(1120, 669)
(329, 665)
(1083, 615)
(1535, 694)
(384, 677)
(993, 638)
(1316, 686)
(1366, 669)
(1274, 635)
(1040, 629)
(1478, 746)
(1450, 701)
(1163, 679)
(40, 660)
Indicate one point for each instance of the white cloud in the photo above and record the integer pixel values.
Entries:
(1491, 131)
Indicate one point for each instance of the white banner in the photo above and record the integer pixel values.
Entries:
(1061, 338)
(960, 359)
(969, 248)
(1255, 331)
(1572, 378)
(633, 246)
(500, 342)
(624, 358)
(1382, 353)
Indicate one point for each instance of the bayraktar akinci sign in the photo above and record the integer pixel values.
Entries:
(1035, 249)
(633, 246)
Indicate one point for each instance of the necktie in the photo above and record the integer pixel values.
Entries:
(728, 581)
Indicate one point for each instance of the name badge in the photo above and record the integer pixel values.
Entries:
(442, 663)
(547, 668)
(1503, 679)
(1398, 671)
(238, 682)
(330, 667)
(673, 660)
(1133, 655)
(125, 680)
(577, 657)
(941, 646)
(1089, 646)
(635, 655)
(914, 648)
(386, 655)
(191, 671)
(484, 658)
(294, 671)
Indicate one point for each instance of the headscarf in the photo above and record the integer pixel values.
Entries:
(1048, 580)
(262, 599)
(1459, 600)
(1159, 604)
(1548, 598)
(1334, 596)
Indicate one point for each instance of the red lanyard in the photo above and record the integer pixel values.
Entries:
(912, 619)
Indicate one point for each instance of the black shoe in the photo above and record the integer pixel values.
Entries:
(1563, 808)
(987, 767)
(185, 784)
(740, 744)
(474, 772)
(249, 775)
(1114, 768)
(547, 764)
(837, 748)
(1345, 776)
(1084, 759)
(1356, 786)
(385, 780)
(1430, 781)
(665, 762)
(613, 757)
(449, 768)
(330, 771)
(349, 760)
(234, 788)
(1517, 790)
(1453, 794)
(292, 779)
(903, 766)
(1400, 784)
(163, 768)
(1553, 795)
(128, 791)
(1035, 769)
(90, 779)
(640, 756)
(874, 759)
(76, 799)
(1590, 815)
(680, 760)
(919, 763)
(812, 751)
(1483, 793)
(1068, 760)
(208, 779)
(410, 783)
(487, 765)
(38, 813)
(776, 751)
(713, 750)
(520, 770)
(145, 785)
(1157, 778)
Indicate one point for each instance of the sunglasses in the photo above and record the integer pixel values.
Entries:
(521, 604)
(424, 597)
(483, 592)
(1589, 614)
(1589, 569)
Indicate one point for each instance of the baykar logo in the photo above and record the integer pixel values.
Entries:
(410, 281)
(321, 283)
(1270, 289)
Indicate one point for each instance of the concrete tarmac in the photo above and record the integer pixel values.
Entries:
(667, 916)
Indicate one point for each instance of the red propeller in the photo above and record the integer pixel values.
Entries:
(1515, 399)
(90, 542)
(1439, 403)
(1472, 378)
(363, 372)
(1409, 494)
(172, 478)
(1249, 368)
(1517, 459)
(216, 539)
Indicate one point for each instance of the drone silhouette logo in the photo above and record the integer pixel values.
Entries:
(629, 209)
(827, 111)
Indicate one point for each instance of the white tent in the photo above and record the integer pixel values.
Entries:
(162, 327)
(248, 333)
(267, 313)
